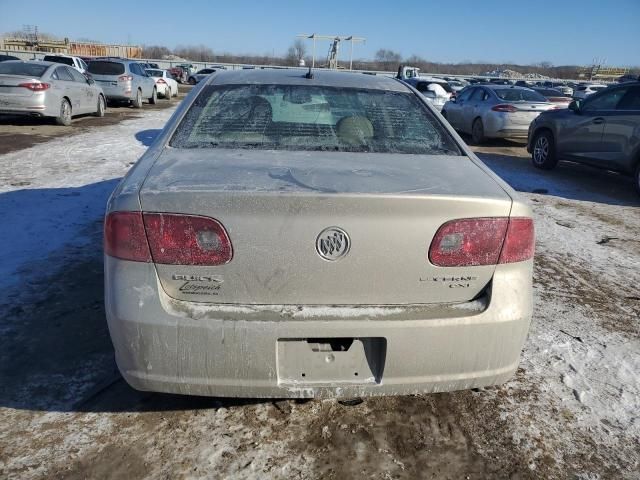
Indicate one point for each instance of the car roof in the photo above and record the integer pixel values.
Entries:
(320, 77)
(495, 86)
(35, 62)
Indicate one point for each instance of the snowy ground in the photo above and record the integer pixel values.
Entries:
(572, 410)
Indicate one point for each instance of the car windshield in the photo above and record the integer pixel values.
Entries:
(56, 59)
(106, 68)
(154, 73)
(293, 117)
(23, 69)
(519, 95)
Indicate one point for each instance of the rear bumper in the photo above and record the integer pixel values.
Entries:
(182, 347)
(118, 92)
(36, 105)
(500, 125)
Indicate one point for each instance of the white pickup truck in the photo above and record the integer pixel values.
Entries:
(436, 91)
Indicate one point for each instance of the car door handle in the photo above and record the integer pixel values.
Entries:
(598, 121)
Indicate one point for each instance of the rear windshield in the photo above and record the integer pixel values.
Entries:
(23, 69)
(300, 117)
(56, 59)
(106, 68)
(154, 73)
(519, 95)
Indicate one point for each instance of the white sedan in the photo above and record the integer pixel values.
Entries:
(166, 86)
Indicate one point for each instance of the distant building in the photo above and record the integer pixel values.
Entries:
(69, 47)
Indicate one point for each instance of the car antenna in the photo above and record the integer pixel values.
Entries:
(309, 74)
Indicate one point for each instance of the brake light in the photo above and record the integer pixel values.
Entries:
(187, 239)
(124, 237)
(125, 78)
(504, 107)
(35, 86)
(482, 241)
(519, 244)
(161, 80)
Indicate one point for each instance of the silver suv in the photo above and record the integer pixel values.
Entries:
(123, 80)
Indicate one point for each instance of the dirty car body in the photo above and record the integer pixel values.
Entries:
(40, 89)
(314, 237)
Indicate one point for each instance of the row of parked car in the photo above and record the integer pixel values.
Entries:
(61, 86)
(600, 130)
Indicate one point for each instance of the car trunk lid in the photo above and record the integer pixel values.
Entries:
(275, 205)
(10, 85)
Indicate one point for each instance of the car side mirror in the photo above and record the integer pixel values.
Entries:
(453, 99)
(575, 106)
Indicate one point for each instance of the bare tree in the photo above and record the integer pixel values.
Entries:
(195, 53)
(296, 52)
(155, 51)
(387, 56)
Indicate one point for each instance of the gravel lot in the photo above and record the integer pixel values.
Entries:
(571, 411)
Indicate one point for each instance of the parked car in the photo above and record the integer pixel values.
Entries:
(583, 91)
(457, 85)
(4, 58)
(565, 90)
(47, 89)
(525, 83)
(554, 96)
(435, 92)
(75, 62)
(495, 111)
(189, 67)
(179, 74)
(165, 84)
(124, 80)
(601, 131)
(325, 174)
(200, 74)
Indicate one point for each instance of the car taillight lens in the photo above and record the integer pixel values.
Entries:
(124, 237)
(125, 78)
(482, 241)
(187, 239)
(504, 108)
(35, 86)
(519, 244)
(161, 80)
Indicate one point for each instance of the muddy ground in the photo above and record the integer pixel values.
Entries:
(65, 412)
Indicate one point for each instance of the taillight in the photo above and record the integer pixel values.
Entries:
(125, 78)
(161, 80)
(519, 243)
(504, 107)
(482, 241)
(124, 237)
(35, 86)
(187, 239)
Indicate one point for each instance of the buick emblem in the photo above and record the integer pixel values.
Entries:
(333, 243)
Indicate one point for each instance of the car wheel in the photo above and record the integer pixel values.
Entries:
(65, 113)
(167, 93)
(637, 179)
(137, 103)
(154, 96)
(192, 81)
(101, 107)
(477, 132)
(543, 154)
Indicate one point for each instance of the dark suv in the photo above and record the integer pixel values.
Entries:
(601, 131)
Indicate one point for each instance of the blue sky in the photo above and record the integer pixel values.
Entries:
(496, 31)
